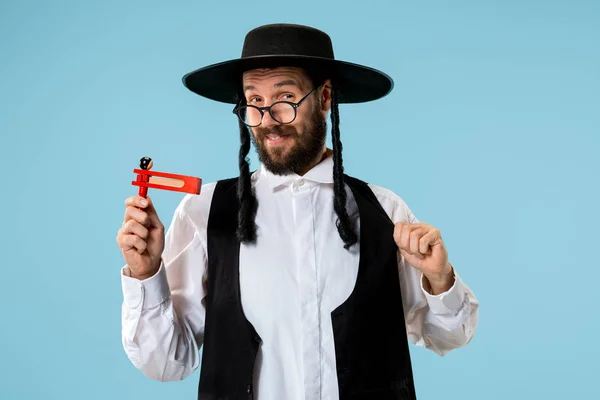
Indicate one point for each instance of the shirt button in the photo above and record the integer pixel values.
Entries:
(300, 183)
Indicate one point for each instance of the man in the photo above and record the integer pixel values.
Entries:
(298, 281)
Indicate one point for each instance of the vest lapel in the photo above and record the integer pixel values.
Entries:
(230, 341)
(372, 355)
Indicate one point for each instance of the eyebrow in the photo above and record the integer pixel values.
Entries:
(288, 82)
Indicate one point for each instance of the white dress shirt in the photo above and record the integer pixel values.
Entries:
(290, 283)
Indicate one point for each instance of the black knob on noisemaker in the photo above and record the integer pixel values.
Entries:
(146, 163)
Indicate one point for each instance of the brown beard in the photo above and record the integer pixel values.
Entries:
(305, 150)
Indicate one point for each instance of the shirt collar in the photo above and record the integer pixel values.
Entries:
(321, 173)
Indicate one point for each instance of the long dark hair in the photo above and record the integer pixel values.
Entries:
(344, 225)
(248, 204)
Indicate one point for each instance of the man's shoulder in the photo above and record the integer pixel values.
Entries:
(200, 203)
(197, 206)
(379, 191)
(393, 204)
(385, 193)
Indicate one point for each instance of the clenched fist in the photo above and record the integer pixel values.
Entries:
(141, 237)
(422, 247)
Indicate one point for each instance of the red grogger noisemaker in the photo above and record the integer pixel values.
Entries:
(163, 180)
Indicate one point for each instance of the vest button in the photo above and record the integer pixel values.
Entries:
(249, 389)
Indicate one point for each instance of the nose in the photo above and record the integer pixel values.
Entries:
(267, 120)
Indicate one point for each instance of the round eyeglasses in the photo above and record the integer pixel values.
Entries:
(283, 112)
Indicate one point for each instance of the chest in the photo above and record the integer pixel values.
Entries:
(298, 267)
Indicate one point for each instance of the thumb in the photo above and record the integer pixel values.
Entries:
(153, 214)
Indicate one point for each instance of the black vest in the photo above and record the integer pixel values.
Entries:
(371, 345)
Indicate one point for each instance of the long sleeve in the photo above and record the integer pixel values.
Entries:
(440, 323)
(163, 316)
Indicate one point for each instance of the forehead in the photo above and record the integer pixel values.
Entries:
(267, 77)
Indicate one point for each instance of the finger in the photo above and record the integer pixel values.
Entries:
(128, 242)
(405, 238)
(153, 215)
(398, 232)
(408, 256)
(415, 239)
(136, 201)
(134, 213)
(432, 238)
(405, 235)
(151, 218)
(139, 202)
(404, 253)
(134, 227)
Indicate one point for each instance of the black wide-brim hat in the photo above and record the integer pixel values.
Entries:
(280, 45)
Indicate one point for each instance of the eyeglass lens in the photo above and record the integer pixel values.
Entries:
(281, 112)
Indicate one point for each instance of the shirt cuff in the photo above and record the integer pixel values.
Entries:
(147, 293)
(449, 302)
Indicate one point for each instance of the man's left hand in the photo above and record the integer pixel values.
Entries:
(422, 247)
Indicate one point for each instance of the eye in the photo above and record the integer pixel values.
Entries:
(287, 97)
(254, 99)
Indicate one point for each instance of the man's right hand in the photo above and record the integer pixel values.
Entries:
(141, 237)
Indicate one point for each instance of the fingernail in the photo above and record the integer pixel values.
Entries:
(144, 203)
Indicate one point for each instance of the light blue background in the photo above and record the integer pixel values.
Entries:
(491, 134)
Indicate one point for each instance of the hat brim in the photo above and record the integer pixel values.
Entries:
(354, 83)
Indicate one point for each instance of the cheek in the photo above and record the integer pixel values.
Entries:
(301, 125)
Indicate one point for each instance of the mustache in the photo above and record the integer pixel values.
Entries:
(281, 130)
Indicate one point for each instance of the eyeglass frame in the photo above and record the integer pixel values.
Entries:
(268, 108)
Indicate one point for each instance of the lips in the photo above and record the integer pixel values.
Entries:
(273, 138)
